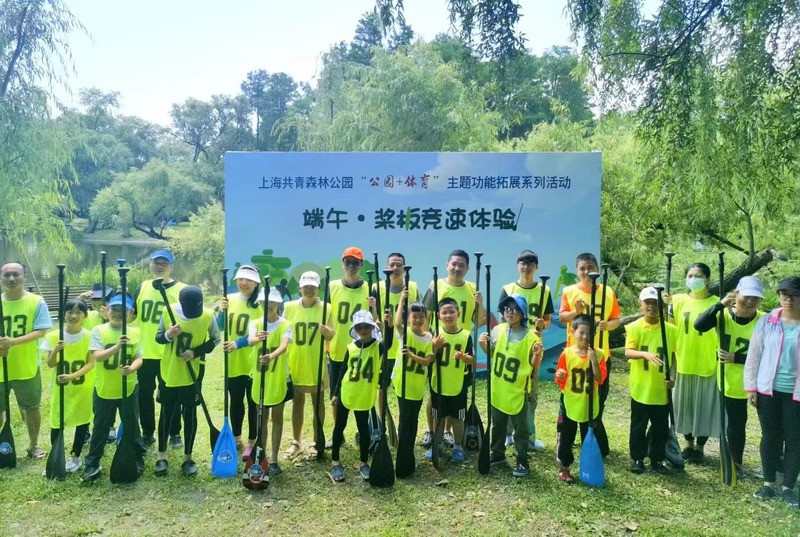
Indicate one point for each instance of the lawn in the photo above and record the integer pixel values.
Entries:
(303, 501)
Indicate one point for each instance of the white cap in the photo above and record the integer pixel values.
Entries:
(750, 286)
(648, 293)
(274, 296)
(309, 278)
(248, 272)
(364, 317)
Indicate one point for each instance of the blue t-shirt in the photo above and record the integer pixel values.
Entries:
(787, 364)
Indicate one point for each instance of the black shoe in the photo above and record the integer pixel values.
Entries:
(91, 474)
(497, 460)
(697, 457)
(764, 493)
(637, 467)
(660, 468)
(520, 470)
(162, 467)
(687, 453)
(189, 468)
(741, 473)
(790, 498)
(148, 440)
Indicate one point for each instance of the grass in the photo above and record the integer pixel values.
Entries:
(303, 501)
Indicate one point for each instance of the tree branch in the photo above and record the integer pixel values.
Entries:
(17, 52)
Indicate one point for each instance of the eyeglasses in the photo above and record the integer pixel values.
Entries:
(512, 311)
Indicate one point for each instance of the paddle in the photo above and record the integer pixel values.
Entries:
(8, 453)
(725, 454)
(390, 426)
(120, 263)
(672, 449)
(319, 430)
(406, 462)
(381, 473)
(592, 470)
(256, 470)
(438, 419)
(213, 432)
(483, 455)
(225, 456)
(56, 462)
(123, 465)
(473, 432)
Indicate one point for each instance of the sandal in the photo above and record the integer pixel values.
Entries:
(36, 453)
(292, 451)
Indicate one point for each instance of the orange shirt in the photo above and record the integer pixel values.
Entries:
(572, 293)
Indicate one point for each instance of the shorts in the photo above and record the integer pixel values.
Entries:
(453, 406)
(289, 396)
(28, 392)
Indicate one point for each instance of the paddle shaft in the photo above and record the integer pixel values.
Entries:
(225, 336)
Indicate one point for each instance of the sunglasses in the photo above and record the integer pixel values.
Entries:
(512, 311)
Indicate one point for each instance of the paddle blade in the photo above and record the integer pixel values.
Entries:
(406, 462)
(8, 453)
(391, 429)
(381, 473)
(726, 462)
(438, 434)
(672, 450)
(473, 434)
(56, 467)
(225, 456)
(483, 455)
(119, 434)
(319, 445)
(123, 465)
(256, 471)
(592, 470)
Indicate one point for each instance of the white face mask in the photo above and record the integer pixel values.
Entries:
(695, 284)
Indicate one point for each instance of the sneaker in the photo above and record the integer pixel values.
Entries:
(363, 471)
(790, 498)
(565, 476)
(148, 440)
(520, 470)
(458, 455)
(175, 441)
(536, 445)
(189, 468)
(741, 473)
(248, 449)
(429, 454)
(697, 457)
(274, 469)
(112, 436)
(73, 464)
(660, 468)
(765, 492)
(337, 473)
(497, 460)
(91, 474)
(509, 441)
(448, 439)
(637, 467)
(162, 467)
(687, 453)
(427, 439)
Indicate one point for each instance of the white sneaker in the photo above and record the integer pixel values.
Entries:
(536, 445)
(448, 439)
(509, 441)
(74, 464)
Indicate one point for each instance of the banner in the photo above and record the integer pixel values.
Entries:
(292, 212)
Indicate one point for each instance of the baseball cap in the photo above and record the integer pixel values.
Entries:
(518, 301)
(166, 254)
(191, 299)
(353, 251)
(248, 272)
(116, 300)
(275, 296)
(648, 293)
(790, 284)
(750, 286)
(97, 291)
(309, 278)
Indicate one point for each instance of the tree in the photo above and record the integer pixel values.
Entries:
(272, 97)
(212, 127)
(150, 198)
(203, 241)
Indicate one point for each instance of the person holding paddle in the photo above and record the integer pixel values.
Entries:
(648, 388)
(516, 352)
(772, 383)
(572, 375)
(242, 307)
(278, 387)
(356, 386)
(105, 344)
(194, 335)
(77, 377)
(26, 319)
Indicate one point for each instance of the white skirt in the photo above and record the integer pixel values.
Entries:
(696, 401)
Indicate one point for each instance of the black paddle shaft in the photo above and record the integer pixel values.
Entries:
(593, 276)
(103, 267)
(665, 349)
(62, 305)
(123, 351)
(320, 432)
(224, 272)
(669, 269)
(407, 282)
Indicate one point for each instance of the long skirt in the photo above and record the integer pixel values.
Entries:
(696, 401)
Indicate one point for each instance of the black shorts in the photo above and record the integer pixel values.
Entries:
(289, 396)
(453, 406)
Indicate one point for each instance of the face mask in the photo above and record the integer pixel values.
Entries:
(695, 284)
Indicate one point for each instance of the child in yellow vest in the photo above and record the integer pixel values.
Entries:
(572, 375)
(516, 352)
(278, 387)
(77, 376)
(356, 386)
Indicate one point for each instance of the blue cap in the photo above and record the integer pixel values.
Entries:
(166, 254)
(520, 302)
(116, 300)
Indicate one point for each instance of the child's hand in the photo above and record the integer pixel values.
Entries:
(86, 295)
(483, 338)
(387, 317)
(538, 349)
(725, 356)
(406, 352)
(64, 378)
(579, 306)
(223, 304)
(59, 345)
(261, 335)
(326, 331)
(670, 383)
(438, 342)
(104, 312)
(478, 297)
(653, 358)
(372, 302)
(265, 358)
(126, 370)
(123, 340)
(540, 324)
(187, 355)
(591, 354)
(666, 298)
(174, 331)
(229, 346)
(729, 300)
(404, 295)
(561, 374)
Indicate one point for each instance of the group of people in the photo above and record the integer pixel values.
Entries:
(434, 353)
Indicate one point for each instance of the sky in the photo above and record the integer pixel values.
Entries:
(160, 52)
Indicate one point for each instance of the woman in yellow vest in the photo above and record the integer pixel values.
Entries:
(277, 386)
(357, 385)
(185, 344)
(77, 378)
(243, 308)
